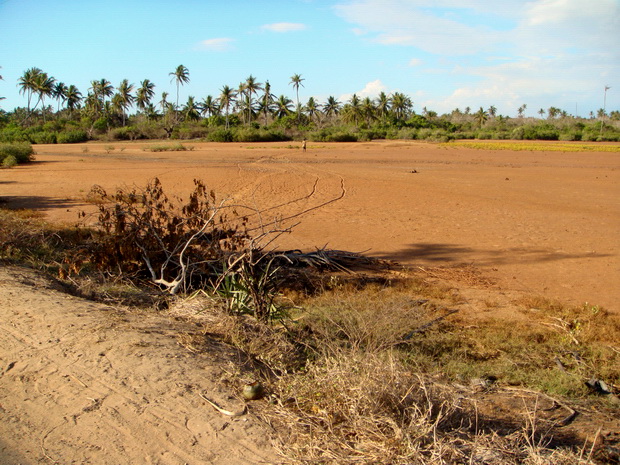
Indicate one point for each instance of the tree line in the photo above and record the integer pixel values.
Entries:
(252, 111)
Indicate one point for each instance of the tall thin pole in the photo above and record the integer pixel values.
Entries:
(604, 108)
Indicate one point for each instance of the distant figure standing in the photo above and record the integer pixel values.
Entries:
(303, 145)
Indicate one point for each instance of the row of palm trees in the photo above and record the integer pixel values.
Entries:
(249, 101)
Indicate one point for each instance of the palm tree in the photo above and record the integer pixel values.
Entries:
(401, 105)
(227, 97)
(282, 106)
(541, 112)
(331, 107)
(209, 106)
(60, 93)
(251, 87)
(190, 110)
(73, 97)
(27, 83)
(492, 111)
(352, 111)
(296, 82)
(181, 76)
(266, 102)
(144, 94)
(521, 110)
(368, 110)
(383, 105)
(44, 86)
(312, 109)
(100, 90)
(164, 101)
(125, 99)
(481, 117)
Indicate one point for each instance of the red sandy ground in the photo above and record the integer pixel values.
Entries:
(82, 382)
(541, 222)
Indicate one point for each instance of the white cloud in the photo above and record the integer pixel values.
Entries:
(371, 89)
(415, 62)
(220, 44)
(284, 27)
(545, 53)
(412, 23)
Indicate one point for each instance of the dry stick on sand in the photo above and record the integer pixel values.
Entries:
(237, 413)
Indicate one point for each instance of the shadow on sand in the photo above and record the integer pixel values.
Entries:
(453, 254)
(15, 202)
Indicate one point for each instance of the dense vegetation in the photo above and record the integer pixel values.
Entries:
(252, 113)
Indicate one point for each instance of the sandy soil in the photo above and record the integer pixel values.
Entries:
(545, 223)
(82, 382)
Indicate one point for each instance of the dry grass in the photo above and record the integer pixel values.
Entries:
(537, 146)
(377, 371)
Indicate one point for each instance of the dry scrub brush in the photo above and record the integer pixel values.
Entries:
(200, 243)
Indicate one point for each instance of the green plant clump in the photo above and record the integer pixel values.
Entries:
(22, 152)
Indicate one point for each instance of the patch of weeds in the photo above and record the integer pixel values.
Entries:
(534, 146)
(178, 147)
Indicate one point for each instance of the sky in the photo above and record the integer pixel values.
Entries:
(443, 54)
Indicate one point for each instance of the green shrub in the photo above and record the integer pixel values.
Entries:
(14, 134)
(177, 147)
(570, 136)
(341, 137)
(9, 162)
(542, 131)
(341, 134)
(373, 134)
(258, 135)
(190, 132)
(407, 134)
(125, 133)
(101, 125)
(22, 152)
(418, 122)
(44, 137)
(220, 135)
(464, 135)
(72, 137)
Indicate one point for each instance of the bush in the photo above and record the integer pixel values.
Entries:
(543, 131)
(14, 134)
(21, 152)
(257, 135)
(178, 147)
(570, 136)
(44, 137)
(72, 137)
(9, 162)
(123, 133)
(434, 135)
(190, 132)
(341, 137)
(220, 135)
(333, 135)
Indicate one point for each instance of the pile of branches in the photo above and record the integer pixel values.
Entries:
(183, 246)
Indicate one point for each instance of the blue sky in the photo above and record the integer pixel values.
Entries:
(444, 54)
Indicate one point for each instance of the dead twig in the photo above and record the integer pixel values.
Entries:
(565, 421)
(237, 413)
